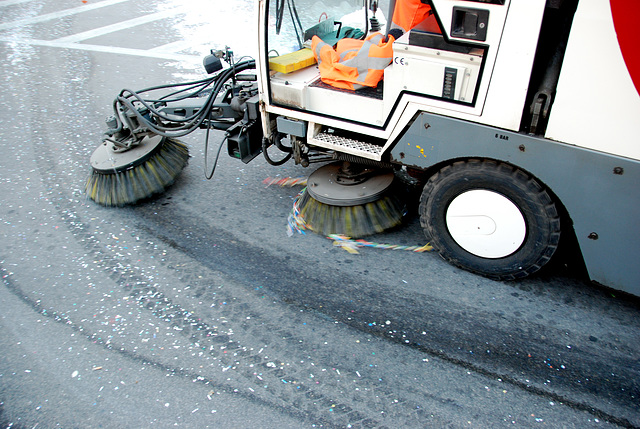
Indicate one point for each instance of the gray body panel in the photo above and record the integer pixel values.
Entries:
(597, 199)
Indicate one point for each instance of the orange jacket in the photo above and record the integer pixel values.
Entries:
(408, 14)
(354, 63)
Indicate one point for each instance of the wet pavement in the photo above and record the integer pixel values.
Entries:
(195, 309)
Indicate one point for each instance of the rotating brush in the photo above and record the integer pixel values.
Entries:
(122, 178)
(339, 201)
(140, 157)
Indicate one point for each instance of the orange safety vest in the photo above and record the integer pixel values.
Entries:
(354, 63)
(408, 14)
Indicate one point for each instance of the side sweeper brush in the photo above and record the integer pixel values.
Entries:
(126, 177)
(352, 200)
(141, 156)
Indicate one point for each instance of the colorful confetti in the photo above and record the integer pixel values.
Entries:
(351, 246)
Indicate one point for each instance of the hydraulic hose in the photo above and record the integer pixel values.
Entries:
(265, 145)
(129, 98)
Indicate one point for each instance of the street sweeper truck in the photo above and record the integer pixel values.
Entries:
(518, 120)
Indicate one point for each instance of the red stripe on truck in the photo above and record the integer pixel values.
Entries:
(626, 14)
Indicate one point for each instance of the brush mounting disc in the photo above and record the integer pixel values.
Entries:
(105, 159)
(324, 185)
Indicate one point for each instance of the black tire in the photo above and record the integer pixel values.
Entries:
(537, 208)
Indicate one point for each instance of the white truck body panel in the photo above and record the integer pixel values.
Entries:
(597, 105)
(508, 65)
(509, 81)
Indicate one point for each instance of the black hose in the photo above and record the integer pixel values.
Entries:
(366, 20)
(208, 176)
(293, 11)
(128, 98)
(279, 145)
(279, 14)
(265, 145)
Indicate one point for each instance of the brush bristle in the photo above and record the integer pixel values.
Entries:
(143, 181)
(352, 221)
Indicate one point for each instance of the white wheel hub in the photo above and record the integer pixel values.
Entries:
(486, 224)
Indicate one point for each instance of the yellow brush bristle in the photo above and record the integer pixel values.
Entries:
(142, 181)
(353, 221)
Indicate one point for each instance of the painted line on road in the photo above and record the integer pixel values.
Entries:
(59, 14)
(12, 2)
(72, 41)
(124, 25)
(107, 49)
(173, 46)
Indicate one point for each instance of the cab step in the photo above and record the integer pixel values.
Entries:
(347, 145)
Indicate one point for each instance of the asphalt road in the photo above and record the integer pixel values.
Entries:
(195, 309)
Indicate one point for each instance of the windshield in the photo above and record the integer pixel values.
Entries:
(292, 23)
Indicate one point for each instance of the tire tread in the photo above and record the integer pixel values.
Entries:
(535, 192)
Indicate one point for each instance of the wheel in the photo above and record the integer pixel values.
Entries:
(490, 218)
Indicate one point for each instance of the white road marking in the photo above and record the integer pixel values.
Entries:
(166, 52)
(124, 25)
(59, 14)
(110, 50)
(173, 46)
